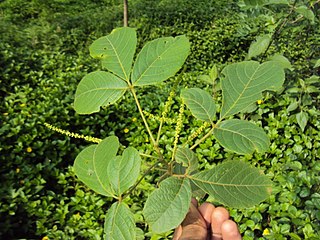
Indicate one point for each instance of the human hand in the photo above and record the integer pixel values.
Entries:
(207, 222)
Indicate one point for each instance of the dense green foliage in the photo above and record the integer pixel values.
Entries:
(43, 56)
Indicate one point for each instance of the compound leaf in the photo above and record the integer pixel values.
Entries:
(159, 60)
(187, 157)
(91, 165)
(241, 136)
(98, 89)
(119, 223)
(116, 51)
(200, 103)
(244, 83)
(234, 184)
(167, 206)
(123, 170)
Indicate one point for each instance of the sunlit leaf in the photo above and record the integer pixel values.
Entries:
(119, 223)
(282, 60)
(200, 103)
(244, 83)
(187, 157)
(259, 46)
(241, 136)
(91, 165)
(123, 170)
(98, 89)
(317, 64)
(116, 51)
(159, 60)
(302, 119)
(234, 184)
(167, 206)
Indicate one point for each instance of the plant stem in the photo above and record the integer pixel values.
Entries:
(142, 177)
(154, 143)
(125, 13)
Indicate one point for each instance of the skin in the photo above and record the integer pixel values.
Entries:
(207, 222)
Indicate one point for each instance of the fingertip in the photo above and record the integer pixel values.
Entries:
(221, 213)
(230, 230)
(218, 217)
(206, 210)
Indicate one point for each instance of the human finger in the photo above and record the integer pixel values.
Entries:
(206, 210)
(218, 217)
(230, 231)
(194, 227)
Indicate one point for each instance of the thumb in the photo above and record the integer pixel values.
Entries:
(194, 227)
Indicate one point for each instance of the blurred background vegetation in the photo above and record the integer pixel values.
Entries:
(43, 56)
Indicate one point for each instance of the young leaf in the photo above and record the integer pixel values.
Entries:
(282, 60)
(98, 89)
(91, 165)
(305, 12)
(244, 83)
(234, 183)
(159, 60)
(123, 170)
(167, 206)
(200, 103)
(241, 136)
(302, 119)
(259, 46)
(187, 158)
(116, 51)
(119, 223)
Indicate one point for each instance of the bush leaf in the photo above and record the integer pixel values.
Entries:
(241, 136)
(119, 223)
(91, 165)
(159, 60)
(244, 83)
(116, 51)
(302, 119)
(259, 46)
(124, 170)
(98, 89)
(234, 183)
(200, 103)
(187, 157)
(167, 206)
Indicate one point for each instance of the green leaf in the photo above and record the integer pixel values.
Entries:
(200, 103)
(124, 170)
(159, 60)
(187, 157)
(244, 83)
(234, 183)
(98, 89)
(116, 51)
(282, 60)
(305, 12)
(302, 119)
(241, 136)
(254, 2)
(317, 64)
(167, 206)
(119, 223)
(259, 46)
(293, 106)
(91, 165)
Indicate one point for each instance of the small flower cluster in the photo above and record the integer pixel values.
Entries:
(198, 132)
(178, 127)
(74, 135)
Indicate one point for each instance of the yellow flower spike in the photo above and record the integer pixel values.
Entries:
(71, 134)
(29, 149)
